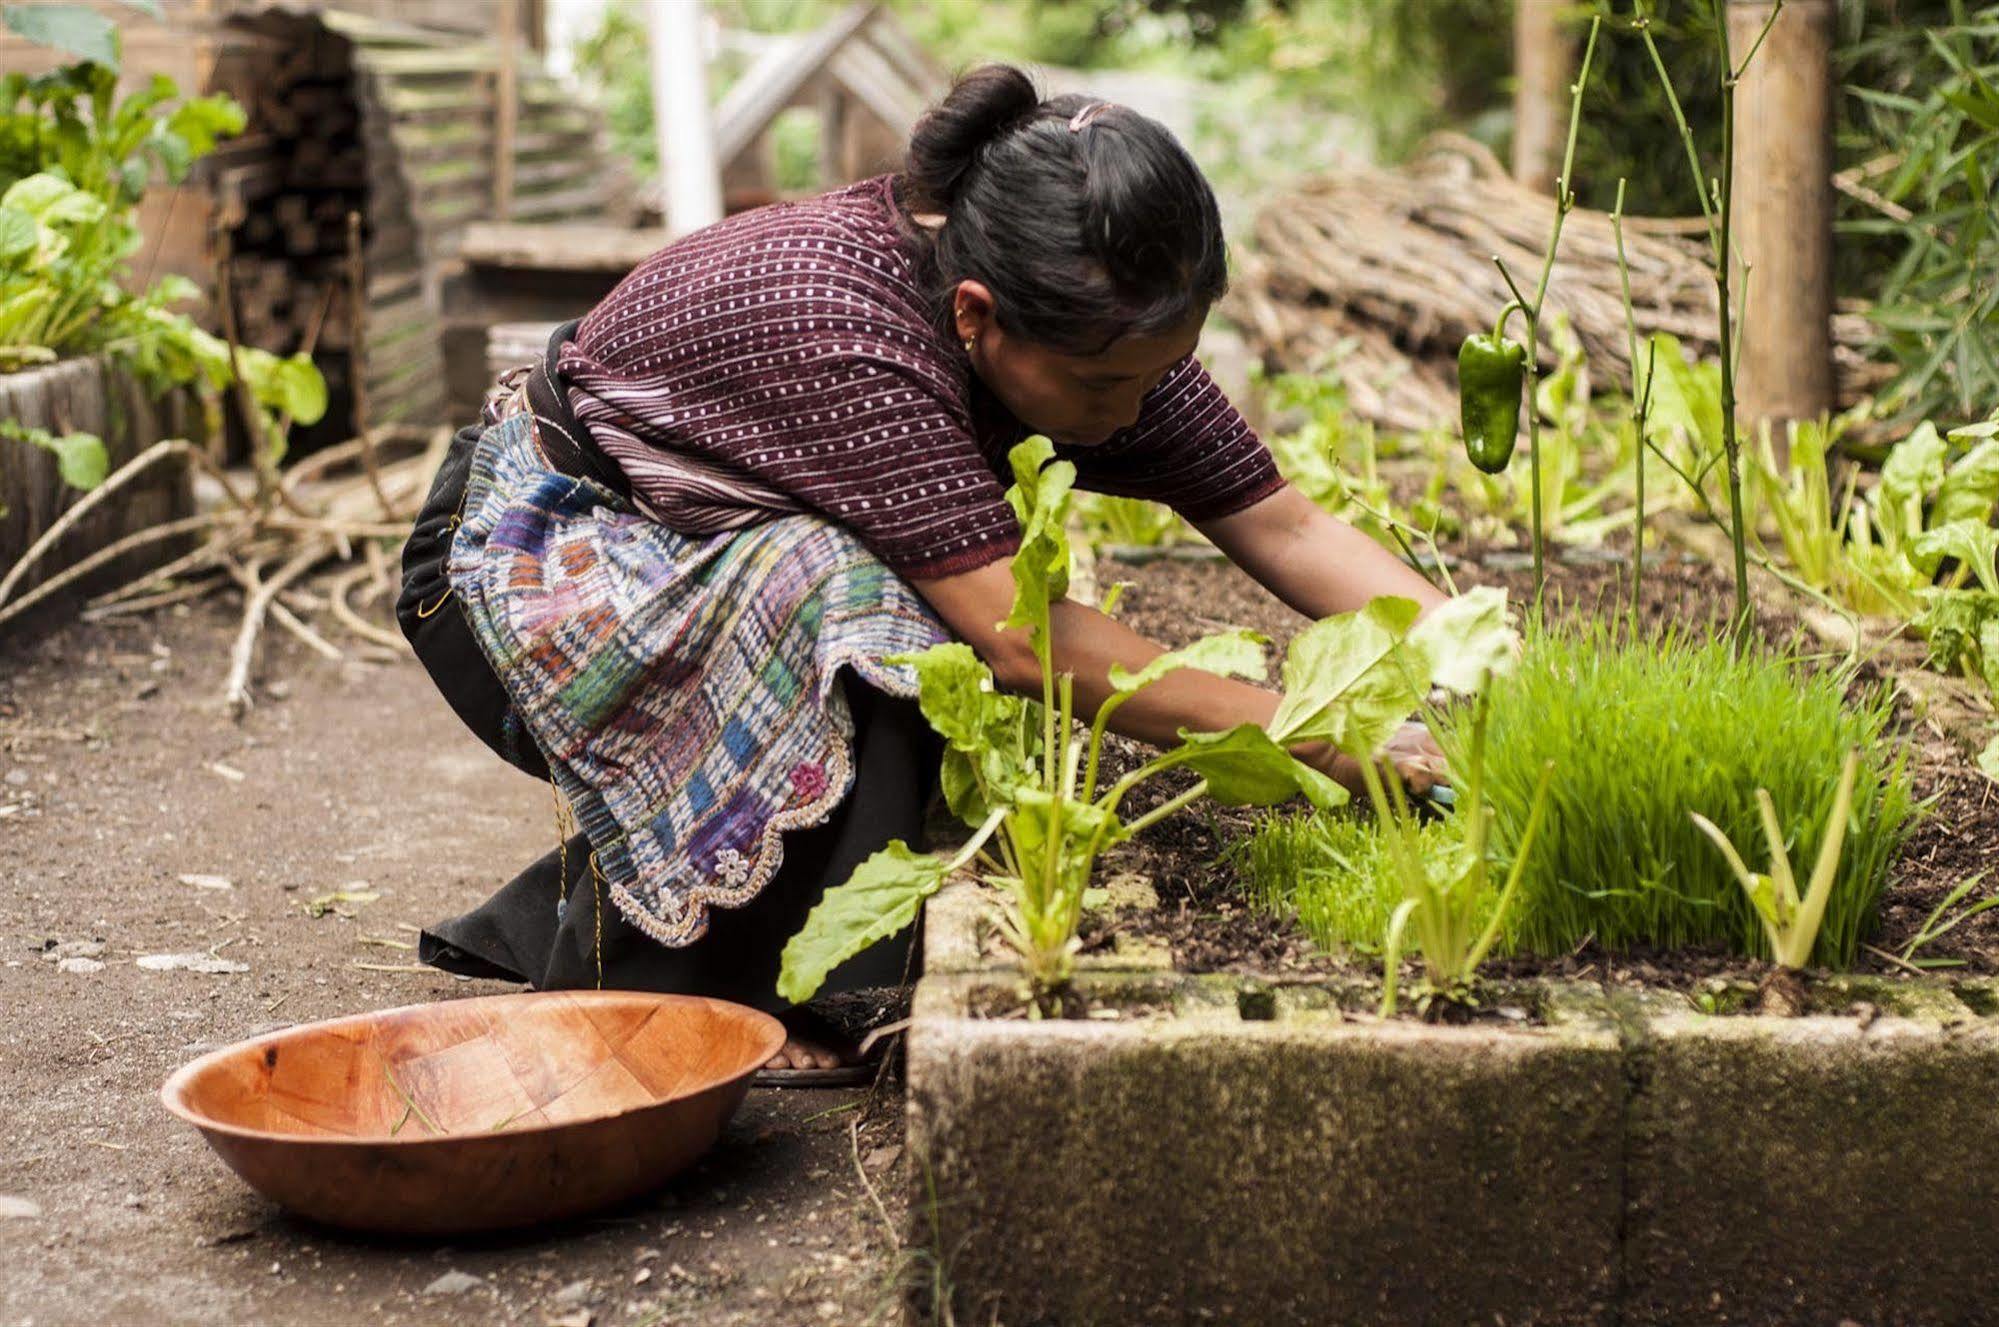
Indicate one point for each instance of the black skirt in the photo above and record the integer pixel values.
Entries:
(559, 931)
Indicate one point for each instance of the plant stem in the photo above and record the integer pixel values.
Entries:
(1731, 445)
(1641, 404)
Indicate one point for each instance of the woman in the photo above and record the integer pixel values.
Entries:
(682, 549)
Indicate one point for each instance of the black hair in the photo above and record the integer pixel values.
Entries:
(1083, 235)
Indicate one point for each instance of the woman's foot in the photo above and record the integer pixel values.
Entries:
(803, 1053)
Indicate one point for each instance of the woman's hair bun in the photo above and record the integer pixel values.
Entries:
(983, 104)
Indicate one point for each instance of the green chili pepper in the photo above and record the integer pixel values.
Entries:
(1490, 371)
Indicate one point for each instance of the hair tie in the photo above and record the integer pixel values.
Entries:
(1081, 119)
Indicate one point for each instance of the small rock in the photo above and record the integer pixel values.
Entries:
(882, 1156)
(574, 1294)
(18, 1209)
(643, 1275)
(73, 949)
(580, 1318)
(191, 962)
(453, 1282)
(81, 967)
(278, 690)
(208, 881)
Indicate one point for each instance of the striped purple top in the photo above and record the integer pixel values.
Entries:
(782, 360)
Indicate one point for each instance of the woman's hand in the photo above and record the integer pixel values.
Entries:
(1412, 753)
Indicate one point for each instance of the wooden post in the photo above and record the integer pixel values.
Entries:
(1784, 208)
(1544, 64)
(835, 106)
(683, 124)
(506, 121)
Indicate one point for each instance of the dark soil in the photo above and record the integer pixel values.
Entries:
(1211, 926)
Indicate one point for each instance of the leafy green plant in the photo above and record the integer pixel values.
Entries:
(1928, 190)
(1027, 782)
(1401, 879)
(75, 162)
(1445, 894)
(1790, 920)
(1647, 730)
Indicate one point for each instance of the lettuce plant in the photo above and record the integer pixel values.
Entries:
(1019, 773)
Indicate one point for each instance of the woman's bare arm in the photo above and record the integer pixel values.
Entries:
(1314, 561)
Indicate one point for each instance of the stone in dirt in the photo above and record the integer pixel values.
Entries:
(574, 1294)
(196, 961)
(12, 1208)
(81, 967)
(453, 1282)
(73, 949)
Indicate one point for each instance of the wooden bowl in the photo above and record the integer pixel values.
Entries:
(476, 1114)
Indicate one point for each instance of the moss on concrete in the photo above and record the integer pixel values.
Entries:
(1812, 1170)
(1105, 1173)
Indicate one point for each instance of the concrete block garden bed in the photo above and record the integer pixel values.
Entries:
(1222, 1148)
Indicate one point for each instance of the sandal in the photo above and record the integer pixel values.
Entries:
(826, 1027)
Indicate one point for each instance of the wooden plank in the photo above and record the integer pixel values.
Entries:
(771, 84)
(559, 248)
(546, 176)
(575, 202)
(430, 62)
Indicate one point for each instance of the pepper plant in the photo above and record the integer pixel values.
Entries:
(1029, 784)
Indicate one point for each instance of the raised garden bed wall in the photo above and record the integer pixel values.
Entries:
(1225, 1147)
(87, 395)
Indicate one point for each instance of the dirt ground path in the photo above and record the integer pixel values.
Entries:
(119, 775)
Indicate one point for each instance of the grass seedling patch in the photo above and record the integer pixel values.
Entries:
(1646, 732)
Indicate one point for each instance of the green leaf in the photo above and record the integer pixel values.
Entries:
(1988, 760)
(1973, 544)
(1914, 466)
(953, 689)
(1245, 767)
(880, 898)
(74, 29)
(300, 389)
(1040, 499)
(959, 780)
(203, 120)
(1230, 654)
(18, 233)
(82, 459)
(36, 194)
(1970, 488)
(1956, 624)
(1350, 680)
(1686, 396)
(1467, 640)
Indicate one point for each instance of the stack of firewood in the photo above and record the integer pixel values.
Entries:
(1381, 274)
